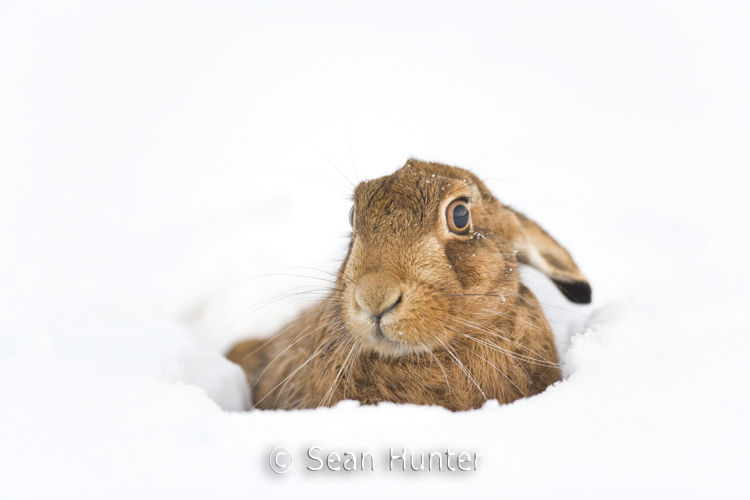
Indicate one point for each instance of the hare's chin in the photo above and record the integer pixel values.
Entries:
(393, 348)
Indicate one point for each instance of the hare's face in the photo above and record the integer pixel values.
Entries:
(430, 258)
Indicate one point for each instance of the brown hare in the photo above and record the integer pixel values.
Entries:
(427, 307)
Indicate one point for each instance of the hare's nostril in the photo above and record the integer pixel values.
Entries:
(391, 307)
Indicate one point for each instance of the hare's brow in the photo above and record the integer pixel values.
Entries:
(460, 186)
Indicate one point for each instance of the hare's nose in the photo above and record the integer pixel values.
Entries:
(377, 295)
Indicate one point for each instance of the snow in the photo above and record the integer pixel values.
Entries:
(168, 188)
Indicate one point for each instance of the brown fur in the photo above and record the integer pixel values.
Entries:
(419, 314)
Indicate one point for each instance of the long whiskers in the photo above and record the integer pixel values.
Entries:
(544, 361)
(291, 344)
(267, 302)
(461, 366)
(312, 356)
(441, 369)
(500, 372)
(329, 395)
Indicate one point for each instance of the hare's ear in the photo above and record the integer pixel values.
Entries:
(538, 249)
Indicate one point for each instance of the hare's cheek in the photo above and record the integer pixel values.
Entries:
(467, 261)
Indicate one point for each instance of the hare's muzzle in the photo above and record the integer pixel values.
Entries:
(378, 295)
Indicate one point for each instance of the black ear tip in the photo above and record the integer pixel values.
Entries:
(578, 292)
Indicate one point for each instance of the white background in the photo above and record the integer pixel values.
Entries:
(153, 154)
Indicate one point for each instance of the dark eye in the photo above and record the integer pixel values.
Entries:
(458, 216)
(351, 216)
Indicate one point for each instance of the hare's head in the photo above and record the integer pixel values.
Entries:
(433, 252)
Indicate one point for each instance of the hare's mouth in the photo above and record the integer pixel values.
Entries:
(380, 339)
(380, 336)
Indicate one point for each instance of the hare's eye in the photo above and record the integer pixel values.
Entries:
(351, 216)
(458, 216)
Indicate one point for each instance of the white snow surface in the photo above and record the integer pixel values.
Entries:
(168, 173)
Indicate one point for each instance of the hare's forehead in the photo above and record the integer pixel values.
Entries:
(408, 195)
